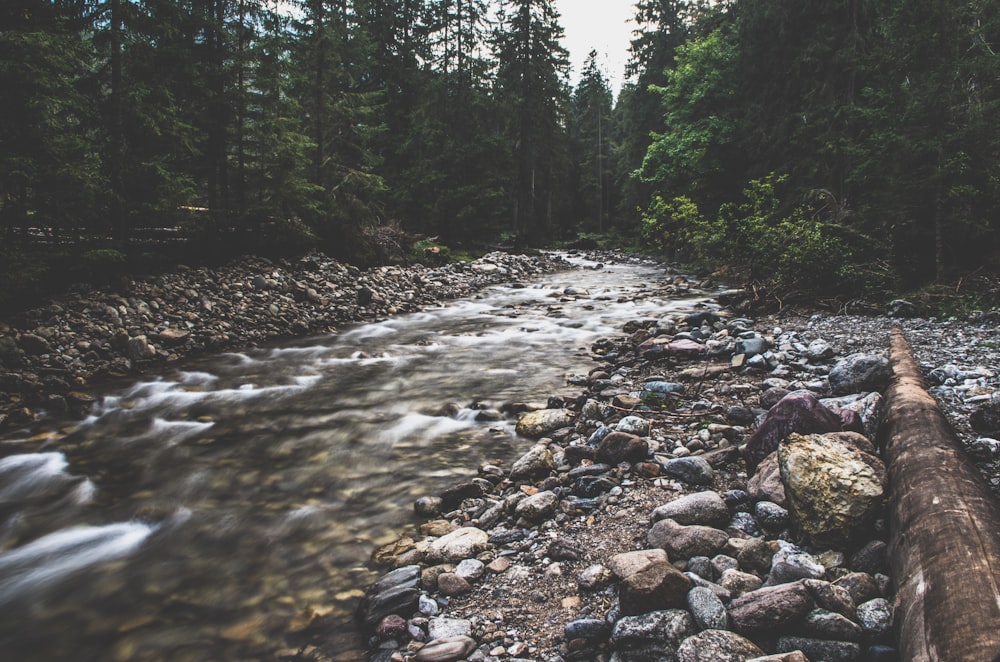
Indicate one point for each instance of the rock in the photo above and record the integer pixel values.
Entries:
(536, 462)
(772, 396)
(460, 544)
(392, 626)
(868, 407)
(173, 336)
(870, 558)
(833, 489)
(821, 650)
(749, 347)
(707, 508)
(745, 523)
(756, 555)
(768, 609)
(683, 542)
(622, 447)
(649, 582)
(446, 628)
(589, 629)
(717, 646)
(656, 635)
(428, 506)
(396, 592)
(635, 425)
(765, 484)
(860, 373)
(561, 549)
(819, 350)
(33, 344)
(594, 578)
(139, 349)
(860, 585)
(446, 649)
(831, 597)
(454, 496)
(794, 656)
(824, 624)
(539, 423)
(739, 583)
(791, 564)
(707, 609)
(798, 411)
(537, 507)
(428, 606)
(901, 308)
(875, 617)
(692, 470)
(985, 417)
(471, 570)
(770, 515)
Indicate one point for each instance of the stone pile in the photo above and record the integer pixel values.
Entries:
(49, 356)
(632, 531)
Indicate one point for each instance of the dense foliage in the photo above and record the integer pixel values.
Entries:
(839, 146)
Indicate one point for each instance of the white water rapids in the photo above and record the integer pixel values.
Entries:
(201, 514)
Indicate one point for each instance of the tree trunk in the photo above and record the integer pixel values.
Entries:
(945, 544)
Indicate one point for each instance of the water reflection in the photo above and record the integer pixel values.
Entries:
(217, 512)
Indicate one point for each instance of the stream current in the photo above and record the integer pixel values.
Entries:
(213, 512)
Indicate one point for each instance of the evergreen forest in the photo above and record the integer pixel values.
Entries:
(835, 147)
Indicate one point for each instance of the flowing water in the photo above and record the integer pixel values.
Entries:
(216, 512)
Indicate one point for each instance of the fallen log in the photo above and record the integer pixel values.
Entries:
(944, 549)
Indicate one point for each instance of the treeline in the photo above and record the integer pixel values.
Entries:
(838, 145)
(303, 120)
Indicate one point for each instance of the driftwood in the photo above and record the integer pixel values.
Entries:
(945, 529)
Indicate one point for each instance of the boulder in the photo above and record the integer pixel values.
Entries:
(458, 545)
(799, 412)
(537, 462)
(537, 506)
(833, 488)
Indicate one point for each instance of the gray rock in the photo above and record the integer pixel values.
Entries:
(821, 650)
(860, 373)
(875, 616)
(634, 425)
(428, 606)
(723, 562)
(756, 556)
(691, 470)
(824, 624)
(538, 506)
(683, 542)
(770, 515)
(590, 629)
(595, 578)
(769, 608)
(471, 570)
(444, 628)
(860, 585)
(701, 566)
(428, 506)
(791, 564)
(819, 350)
(871, 558)
(707, 508)
(707, 609)
(746, 523)
(536, 462)
(717, 646)
(655, 635)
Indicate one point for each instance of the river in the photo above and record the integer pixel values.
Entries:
(227, 510)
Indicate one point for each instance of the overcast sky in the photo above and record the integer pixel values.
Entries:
(605, 25)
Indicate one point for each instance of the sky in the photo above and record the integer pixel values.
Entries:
(604, 25)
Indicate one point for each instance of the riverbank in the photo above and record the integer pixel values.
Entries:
(556, 557)
(51, 356)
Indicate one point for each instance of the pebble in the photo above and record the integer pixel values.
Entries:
(707, 609)
(691, 470)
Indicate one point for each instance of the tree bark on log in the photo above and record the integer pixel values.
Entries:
(944, 550)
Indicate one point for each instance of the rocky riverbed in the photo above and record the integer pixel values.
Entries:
(51, 356)
(631, 530)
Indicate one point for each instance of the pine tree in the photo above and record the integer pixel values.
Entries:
(591, 145)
